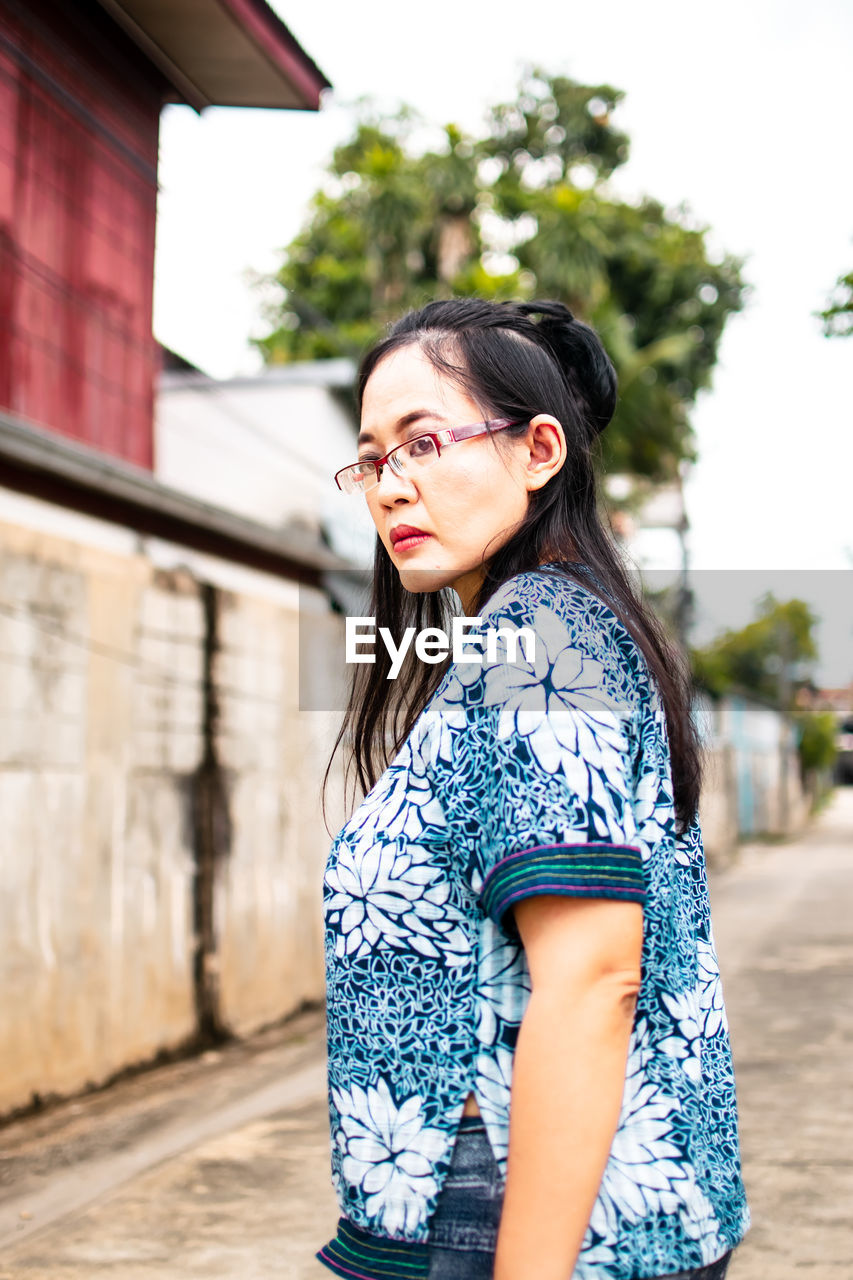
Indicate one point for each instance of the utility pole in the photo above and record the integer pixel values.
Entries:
(684, 596)
(785, 694)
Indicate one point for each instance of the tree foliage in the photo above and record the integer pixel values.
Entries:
(523, 210)
(770, 656)
(817, 732)
(838, 316)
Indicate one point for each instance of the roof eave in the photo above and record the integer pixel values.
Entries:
(262, 52)
(280, 48)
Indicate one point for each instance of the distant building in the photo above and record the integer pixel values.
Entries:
(839, 701)
(649, 521)
(267, 446)
(650, 525)
(81, 88)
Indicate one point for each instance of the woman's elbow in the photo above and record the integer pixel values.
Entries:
(615, 991)
(620, 988)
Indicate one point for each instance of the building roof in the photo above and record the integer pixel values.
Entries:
(227, 53)
(338, 374)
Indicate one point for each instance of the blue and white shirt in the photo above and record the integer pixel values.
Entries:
(546, 774)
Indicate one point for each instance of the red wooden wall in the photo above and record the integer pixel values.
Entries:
(79, 116)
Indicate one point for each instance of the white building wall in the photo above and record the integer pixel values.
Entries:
(267, 448)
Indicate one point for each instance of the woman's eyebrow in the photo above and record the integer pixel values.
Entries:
(407, 420)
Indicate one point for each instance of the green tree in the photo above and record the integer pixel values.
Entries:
(817, 732)
(838, 316)
(524, 210)
(770, 656)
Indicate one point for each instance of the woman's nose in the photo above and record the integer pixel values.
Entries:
(392, 487)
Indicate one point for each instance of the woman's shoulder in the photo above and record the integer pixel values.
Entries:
(548, 628)
(567, 587)
(567, 600)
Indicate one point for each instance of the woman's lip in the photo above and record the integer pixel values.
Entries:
(410, 540)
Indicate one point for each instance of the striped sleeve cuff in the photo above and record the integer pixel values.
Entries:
(358, 1255)
(569, 870)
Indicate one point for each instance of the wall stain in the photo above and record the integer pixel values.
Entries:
(211, 836)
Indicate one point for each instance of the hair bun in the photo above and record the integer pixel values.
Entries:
(578, 351)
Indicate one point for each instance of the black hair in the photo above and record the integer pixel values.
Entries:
(516, 360)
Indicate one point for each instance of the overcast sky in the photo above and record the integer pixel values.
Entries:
(742, 110)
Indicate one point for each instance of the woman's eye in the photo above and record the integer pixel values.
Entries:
(420, 446)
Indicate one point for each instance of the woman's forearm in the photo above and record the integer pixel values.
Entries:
(568, 1080)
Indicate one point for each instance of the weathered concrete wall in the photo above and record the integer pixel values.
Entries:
(270, 921)
(752, 784)
(718, 805)
(96, 873)
(148, 718)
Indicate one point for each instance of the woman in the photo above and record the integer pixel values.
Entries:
(529, 1066)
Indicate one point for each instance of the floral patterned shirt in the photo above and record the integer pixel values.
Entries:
(545, 774)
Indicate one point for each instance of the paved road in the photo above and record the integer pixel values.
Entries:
(214, 1168)
(218, 1168)
(783, 919)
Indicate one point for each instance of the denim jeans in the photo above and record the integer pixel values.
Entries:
(464, 1228)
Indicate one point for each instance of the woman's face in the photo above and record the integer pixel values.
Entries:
(466, 505)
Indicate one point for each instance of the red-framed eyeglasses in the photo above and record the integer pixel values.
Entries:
(414, 456)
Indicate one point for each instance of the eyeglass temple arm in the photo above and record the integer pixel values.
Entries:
(476, 429)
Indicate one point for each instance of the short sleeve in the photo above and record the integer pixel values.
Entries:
(540, 785)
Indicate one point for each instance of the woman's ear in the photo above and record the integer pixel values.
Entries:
(546, 445)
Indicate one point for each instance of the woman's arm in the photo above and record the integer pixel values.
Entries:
(568, 1076)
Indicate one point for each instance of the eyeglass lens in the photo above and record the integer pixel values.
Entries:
(417, 453)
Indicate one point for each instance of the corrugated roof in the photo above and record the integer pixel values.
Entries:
(227, 53)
